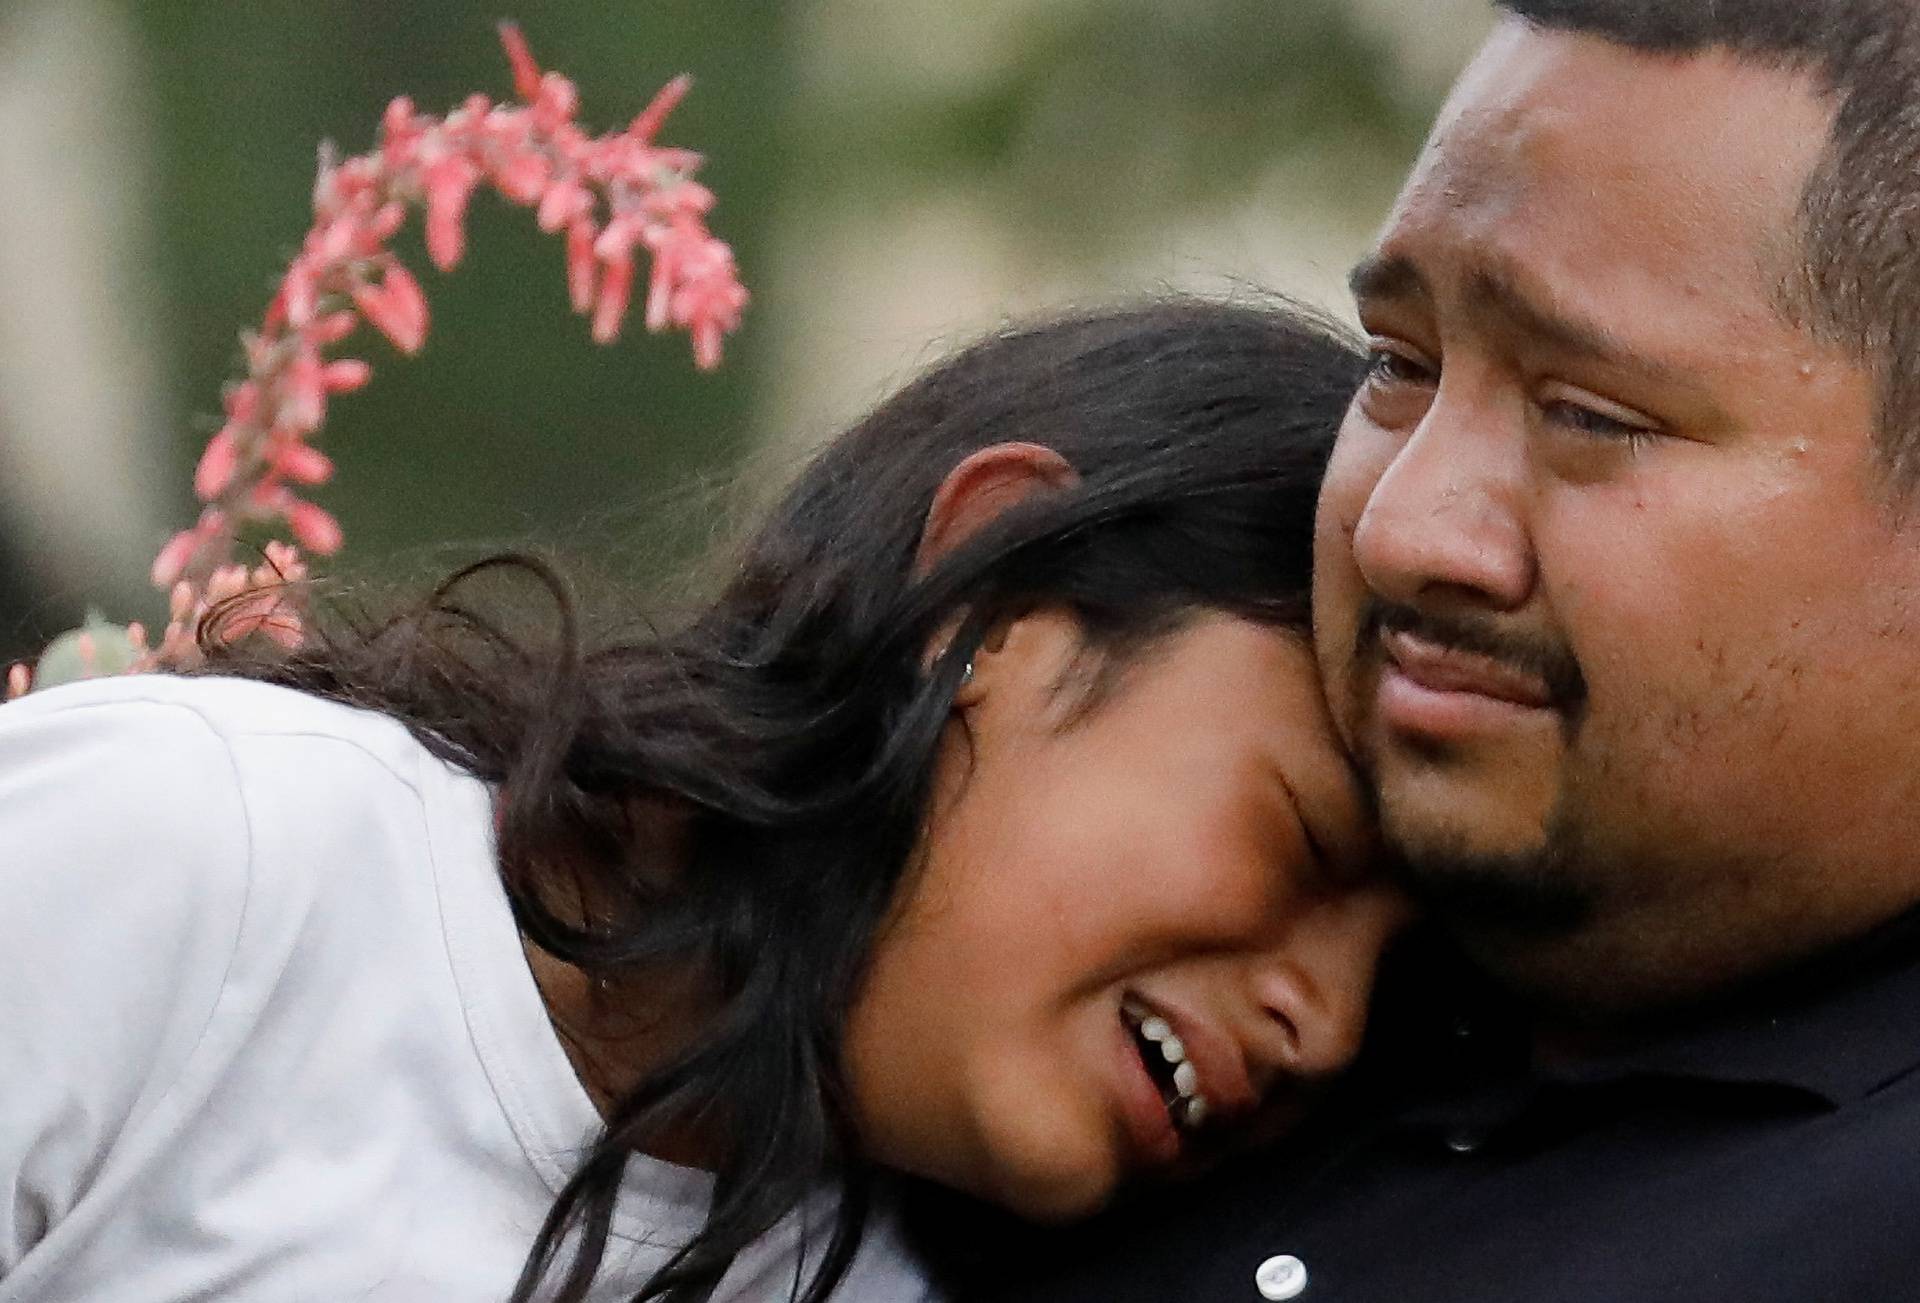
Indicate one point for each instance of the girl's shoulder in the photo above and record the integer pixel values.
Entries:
(203, 788)
(168, 709)
(192, 810)
(153, 763)
(206, 879)
(168, 837)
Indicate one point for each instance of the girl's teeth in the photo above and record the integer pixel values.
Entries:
(1190, 1109)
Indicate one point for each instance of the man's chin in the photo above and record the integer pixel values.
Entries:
(1507, 896)
(1486, 875)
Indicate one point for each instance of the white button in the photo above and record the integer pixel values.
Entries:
(1281, 1277)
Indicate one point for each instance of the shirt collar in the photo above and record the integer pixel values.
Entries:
(1838, 1027)
(1452, 1050)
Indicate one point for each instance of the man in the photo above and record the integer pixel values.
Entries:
(1619, 606)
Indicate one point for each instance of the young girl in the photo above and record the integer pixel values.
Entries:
(987, 827)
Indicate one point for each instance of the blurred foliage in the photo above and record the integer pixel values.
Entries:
(1094, 119)
(1124, 112)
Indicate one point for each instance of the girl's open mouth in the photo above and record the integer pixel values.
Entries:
(1165, 1060)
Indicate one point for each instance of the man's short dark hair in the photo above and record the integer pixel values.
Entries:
(1857, 279)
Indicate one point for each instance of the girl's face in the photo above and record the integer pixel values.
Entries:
(1139, 933)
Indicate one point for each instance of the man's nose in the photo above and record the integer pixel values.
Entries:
(1446, 518)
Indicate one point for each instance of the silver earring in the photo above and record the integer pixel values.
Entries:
(966, 675)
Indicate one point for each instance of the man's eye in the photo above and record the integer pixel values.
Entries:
(1387, 366)
(1596, 425)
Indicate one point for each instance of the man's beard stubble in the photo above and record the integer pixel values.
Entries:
(1621, 906)
(1536, 893)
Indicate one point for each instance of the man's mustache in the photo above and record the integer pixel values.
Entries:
(1551, 663)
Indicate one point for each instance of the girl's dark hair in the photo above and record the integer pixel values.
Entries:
(790, 725)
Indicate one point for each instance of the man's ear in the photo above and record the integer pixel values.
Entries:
(983, 487)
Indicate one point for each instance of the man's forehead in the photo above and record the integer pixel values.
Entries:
(1534, 98)
(1561, 158)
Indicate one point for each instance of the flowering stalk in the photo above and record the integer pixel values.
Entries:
(615, 197)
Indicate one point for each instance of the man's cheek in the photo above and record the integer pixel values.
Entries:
(1351, 476)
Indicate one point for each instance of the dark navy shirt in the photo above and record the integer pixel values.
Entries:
(1767, 1152)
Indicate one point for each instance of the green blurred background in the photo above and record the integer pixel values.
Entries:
(894, 175)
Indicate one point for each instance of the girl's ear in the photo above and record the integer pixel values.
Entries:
(977, 491)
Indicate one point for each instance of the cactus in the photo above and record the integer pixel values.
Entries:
(97, 647)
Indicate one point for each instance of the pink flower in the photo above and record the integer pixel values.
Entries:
(582, 267)
(660, 290)
(396, 307)
(241, 401)
(619, 237)
(303, 402)
(332, 242)
(616, 288)
(378, 229)
(258, 606)
(685, 199)
(522, 178)
(284, 626)
(707, 334)
(449, 183)
(226, 582)
(173, 558)
(556, 102)
(184, 547)
(298, 292)
(314, 527)
(323, 332)
(647, 125)
(217, 465)
(526, 73)
(281, 562)
(617, 197)
(400, 134)
(345, 376)
(19, 680)
(564, 203)
(301, 462)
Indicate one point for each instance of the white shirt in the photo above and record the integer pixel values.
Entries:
(267, 1033)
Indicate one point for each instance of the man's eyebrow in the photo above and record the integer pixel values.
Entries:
(1386, 277)
(1494, 292)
